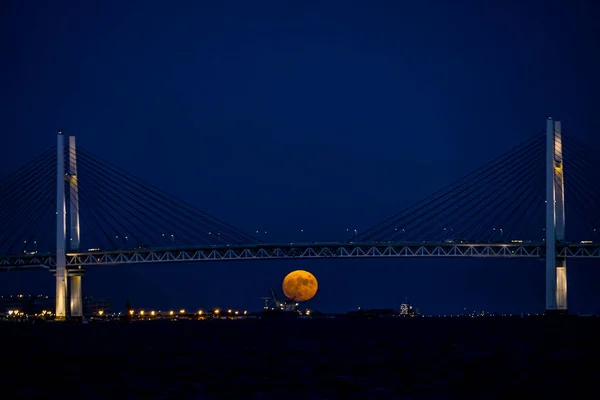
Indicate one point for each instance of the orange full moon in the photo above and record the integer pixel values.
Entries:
(300, 285)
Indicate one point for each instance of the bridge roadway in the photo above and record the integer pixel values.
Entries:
(266, 251)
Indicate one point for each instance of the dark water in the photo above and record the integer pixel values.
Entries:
(304, 359)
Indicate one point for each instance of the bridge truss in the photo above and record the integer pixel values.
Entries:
(304, 251)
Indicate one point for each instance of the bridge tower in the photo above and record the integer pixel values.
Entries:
(61, 232)
(556, 267)
(74, 232)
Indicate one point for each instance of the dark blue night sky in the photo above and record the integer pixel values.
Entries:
(282, 116)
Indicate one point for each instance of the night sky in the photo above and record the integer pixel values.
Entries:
(282, 116)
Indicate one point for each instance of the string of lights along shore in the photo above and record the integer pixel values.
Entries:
(78, 211)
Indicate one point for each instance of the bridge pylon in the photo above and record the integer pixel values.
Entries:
(556, 267)
(61, 273)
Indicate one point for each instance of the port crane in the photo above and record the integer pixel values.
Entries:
(273, 302)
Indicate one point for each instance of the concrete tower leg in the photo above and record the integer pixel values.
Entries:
(559, 207)
(61, 229)
(74, 231)
(556, 268)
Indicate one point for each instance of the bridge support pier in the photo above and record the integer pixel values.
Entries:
(561, 285)
(556, 268)
(76, 298)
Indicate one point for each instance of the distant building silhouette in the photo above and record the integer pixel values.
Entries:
(26, 304)
(91, 306)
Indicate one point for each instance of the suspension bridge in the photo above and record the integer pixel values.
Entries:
(68, 210)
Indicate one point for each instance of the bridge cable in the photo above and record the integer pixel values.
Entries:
(35, 219)
(184, 222)
(571, 171)
(25, 169)
(579, 165)
(569, 200)
(450, 195)
(489, 172)
(139, 205)
(496, 211)
(85, 226)
(23, 186)
(470, 190)
(18, 199)
(160, 194)
(95, 201)
(527, 182)
(86, 211)
(446, 191)
(104, 199)
(575, 169)
(507, 175)
(161, 211)
(531, 209)
(28, 208)
(142, 204)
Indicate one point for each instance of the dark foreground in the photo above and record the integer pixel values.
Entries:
(304, 359)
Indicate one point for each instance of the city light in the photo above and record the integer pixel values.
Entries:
(171, 312)
(100, 312)
(181, 311)
(217, 311)
(200, 312)
(153, 313)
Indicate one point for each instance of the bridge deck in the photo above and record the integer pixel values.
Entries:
(266, 251)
